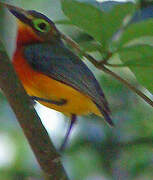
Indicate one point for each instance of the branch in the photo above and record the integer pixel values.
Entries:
(30, 122)
(100, 65)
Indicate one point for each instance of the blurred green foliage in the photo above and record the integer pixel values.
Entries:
(104, 25)
(96, 152)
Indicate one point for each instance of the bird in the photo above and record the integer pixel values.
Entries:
(51, 73)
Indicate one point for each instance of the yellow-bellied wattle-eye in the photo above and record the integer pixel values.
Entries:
(52, 74)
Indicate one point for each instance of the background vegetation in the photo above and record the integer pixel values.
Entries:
(96, 152)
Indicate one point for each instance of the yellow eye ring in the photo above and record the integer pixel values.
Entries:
(41, 25)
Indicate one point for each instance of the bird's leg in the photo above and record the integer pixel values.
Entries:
(72, 122)
(59, 103)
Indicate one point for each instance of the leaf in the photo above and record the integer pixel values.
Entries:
(140, 60)
(90, 46)
(144, 40)
(101, 25)
(136, 31)
(138, 55)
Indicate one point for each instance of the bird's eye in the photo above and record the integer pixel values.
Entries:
(41, 25)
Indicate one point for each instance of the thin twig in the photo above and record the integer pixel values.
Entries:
(101, 66)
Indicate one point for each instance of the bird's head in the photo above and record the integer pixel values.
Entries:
(33, 26)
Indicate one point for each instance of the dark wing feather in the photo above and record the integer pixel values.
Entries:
(59, 63)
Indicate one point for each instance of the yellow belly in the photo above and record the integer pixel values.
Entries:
(47, 88)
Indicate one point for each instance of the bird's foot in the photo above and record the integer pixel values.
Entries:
(73, 120)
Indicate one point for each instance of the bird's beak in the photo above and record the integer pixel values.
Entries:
(19, 13)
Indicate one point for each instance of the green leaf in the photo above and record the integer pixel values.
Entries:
(143, 40)
(101, 25)
(137, 55)
(90, 46)
(136, 31)
(140, 60)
